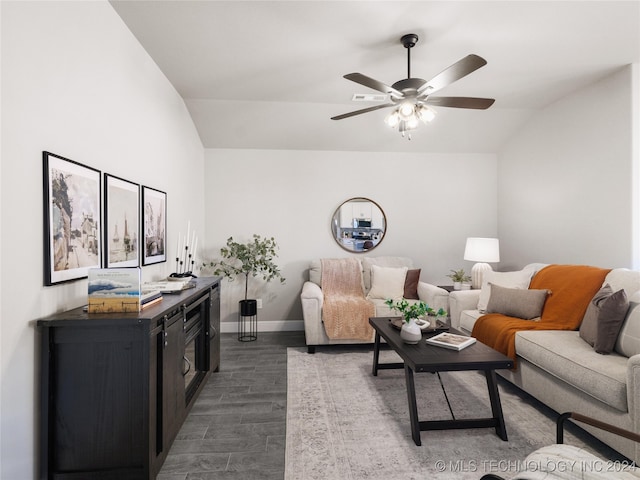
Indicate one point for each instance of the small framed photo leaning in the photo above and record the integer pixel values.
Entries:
(72, 196)
(122, 222)
(154, 226)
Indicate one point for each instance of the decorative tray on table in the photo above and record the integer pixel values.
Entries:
(425, 326)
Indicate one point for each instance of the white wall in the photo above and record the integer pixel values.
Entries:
(566, 180)
(432, 203)
(77, 83)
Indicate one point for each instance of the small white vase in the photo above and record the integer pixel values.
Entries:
(457, 285)
(410, 332)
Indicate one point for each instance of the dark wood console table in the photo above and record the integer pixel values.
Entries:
(116, 388)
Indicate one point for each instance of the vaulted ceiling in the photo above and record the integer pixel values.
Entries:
(269, 74)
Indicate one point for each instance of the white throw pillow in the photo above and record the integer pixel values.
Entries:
(519, 279)
(387, 282)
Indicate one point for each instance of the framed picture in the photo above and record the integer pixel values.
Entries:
(71, 219)
(154, 226)
(122, 222)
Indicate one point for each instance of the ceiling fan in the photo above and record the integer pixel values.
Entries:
(412, 96)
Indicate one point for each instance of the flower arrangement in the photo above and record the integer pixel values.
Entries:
(408, 310)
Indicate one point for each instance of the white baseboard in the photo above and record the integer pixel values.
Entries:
(267, 326)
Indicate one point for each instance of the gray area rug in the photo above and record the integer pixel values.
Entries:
(344, 423)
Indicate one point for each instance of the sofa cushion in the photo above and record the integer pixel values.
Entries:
(563, 354)
(516, 302)
(624, 278)
(603, 319)
(468, 319)
(367, 262)
(628, 343)
(387, 282)
(411, 284)
(518, 279)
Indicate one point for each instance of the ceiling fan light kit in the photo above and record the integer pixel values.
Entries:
(408, 116)
(411, 97)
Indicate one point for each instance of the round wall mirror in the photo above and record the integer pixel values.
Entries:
(358, 225)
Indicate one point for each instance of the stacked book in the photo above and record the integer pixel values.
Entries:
(119, 290)
(170, 286)
(451, 341)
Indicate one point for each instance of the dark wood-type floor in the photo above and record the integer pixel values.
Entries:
(236, 428)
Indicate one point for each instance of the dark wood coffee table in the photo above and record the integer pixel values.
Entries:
(427, 358)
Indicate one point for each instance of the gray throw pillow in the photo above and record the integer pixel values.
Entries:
(612, 313)
(603, 319)
(589, 325)
(516, 302)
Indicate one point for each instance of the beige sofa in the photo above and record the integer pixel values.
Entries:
(564, 372)
(312, 298)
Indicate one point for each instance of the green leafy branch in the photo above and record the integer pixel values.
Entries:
(255, 258)
(409, 310)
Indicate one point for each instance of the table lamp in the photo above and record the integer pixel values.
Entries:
(481, 250)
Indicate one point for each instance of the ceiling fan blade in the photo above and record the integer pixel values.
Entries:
(364, 110)
(461, 102)
(460, 69)
(373, 83)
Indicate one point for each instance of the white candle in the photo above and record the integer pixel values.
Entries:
(188, 229)
(178, 246)
(195, 246)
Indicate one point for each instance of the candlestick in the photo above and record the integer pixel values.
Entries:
(195, 246)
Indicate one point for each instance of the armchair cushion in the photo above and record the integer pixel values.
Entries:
(387, 282)
(567, 462)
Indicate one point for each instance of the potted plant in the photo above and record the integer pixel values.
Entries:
(459, 277)
(437, 315)
(255, 258)
(410, 331)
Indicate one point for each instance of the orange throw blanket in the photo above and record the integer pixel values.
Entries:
(572, 288)
(345, 311)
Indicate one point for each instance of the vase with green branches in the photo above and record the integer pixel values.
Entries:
(410, 311)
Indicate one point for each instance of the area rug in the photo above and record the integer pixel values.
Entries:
(345, 424)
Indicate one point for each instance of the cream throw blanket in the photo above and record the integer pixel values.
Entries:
(345, 310)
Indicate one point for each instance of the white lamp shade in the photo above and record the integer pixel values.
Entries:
(482, 250)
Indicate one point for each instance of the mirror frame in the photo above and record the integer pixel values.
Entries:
(336, 227)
